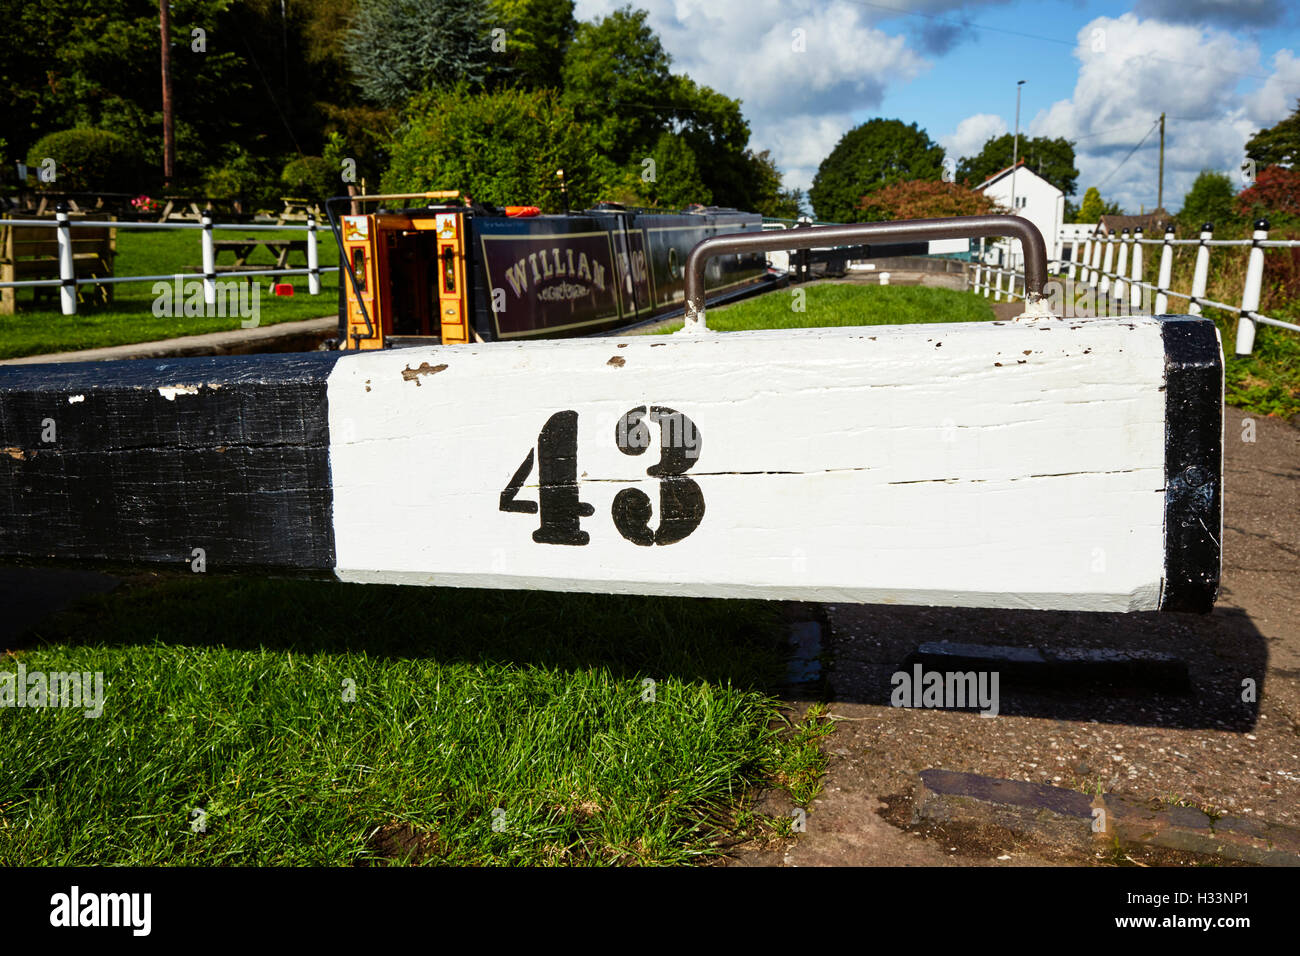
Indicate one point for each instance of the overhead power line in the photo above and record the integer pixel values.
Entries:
(1130, 154)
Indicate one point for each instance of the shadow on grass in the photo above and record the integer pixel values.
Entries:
(736, 642)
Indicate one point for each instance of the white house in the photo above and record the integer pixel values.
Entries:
(1035, 199)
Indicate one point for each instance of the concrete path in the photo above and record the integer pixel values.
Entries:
(302, 336)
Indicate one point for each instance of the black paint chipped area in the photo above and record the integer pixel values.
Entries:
(146, 461)
(1193, 464)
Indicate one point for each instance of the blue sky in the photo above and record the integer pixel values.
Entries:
(1096, 72)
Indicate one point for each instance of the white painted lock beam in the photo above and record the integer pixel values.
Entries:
(1031, 464)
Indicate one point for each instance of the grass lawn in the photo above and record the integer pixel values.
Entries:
(1267, 381)
(487, 727)
(846, 303)
(35, 330)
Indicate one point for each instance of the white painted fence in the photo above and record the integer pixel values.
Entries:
(1112, 265)
(68, 281)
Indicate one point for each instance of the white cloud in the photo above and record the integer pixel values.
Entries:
(798, 101)
(1276, 99)
(971, 135)
(1144, 67)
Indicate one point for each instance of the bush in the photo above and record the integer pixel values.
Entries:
(501, 148)
(1275, 195)
(311, 177)
(88, 160)
(925, 199)
(244, 178)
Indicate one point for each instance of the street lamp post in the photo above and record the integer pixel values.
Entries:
(1015, 148)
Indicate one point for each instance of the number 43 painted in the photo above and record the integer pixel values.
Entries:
(681, 502)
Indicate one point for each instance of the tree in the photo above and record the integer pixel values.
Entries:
(537, 37)
(502, 147)
(399, 48)
(1093, 207)
(769, 197)
(618, 85)
(676, 182)
(1209, 200)
(1053, 159)
(1274, 195)
(926, 199)
(870, 157)
(618, 81)
(1278, 145)
(718, 133)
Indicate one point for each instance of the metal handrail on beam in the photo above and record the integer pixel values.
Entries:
(910, 230)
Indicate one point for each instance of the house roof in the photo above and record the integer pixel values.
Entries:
(1000, 174)
(1150, 222)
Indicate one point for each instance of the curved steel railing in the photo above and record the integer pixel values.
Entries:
(908, 230)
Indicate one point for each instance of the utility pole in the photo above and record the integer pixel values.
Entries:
(1015, 148)
(169, 139)
(1160, 188)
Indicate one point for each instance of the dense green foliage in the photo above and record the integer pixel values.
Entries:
(502, 148)
(870, 157)
(1093, 207)
(1053, 159)
(86, 159)
(311, 177)
(252, 80)
(261, 88)
(400, 48)
(1211, 199)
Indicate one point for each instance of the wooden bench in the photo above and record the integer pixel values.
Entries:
(243, 248)
(297, 210)
(32, 252)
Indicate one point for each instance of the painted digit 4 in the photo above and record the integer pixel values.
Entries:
(681, 501)
(561, 509)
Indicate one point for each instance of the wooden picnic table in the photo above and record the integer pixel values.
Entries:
(243, 248)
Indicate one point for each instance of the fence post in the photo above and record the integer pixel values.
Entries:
(209, 261)
(1107, 263)
(67, 273)
(1135, 276)
(1095, 264)
(1166, 272)
(313, 260)
(1076, 249)
(1250, 294)
(997, 294)
(1202, 273)
(1121, 269)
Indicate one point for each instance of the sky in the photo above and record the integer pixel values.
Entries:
(1096, 72)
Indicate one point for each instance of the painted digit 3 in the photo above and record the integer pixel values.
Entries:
(681, 502)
